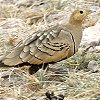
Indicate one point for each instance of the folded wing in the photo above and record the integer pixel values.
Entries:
(51, 45)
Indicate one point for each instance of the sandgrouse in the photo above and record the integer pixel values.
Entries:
(54, 44)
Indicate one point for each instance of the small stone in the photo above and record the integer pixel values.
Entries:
(93, 66)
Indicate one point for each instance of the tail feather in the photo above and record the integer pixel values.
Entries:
(14, 53)
(13, 58)
(12, 61)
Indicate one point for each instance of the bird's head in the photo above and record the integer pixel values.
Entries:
(78, 16)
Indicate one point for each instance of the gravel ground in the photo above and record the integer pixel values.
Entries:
(77, 78)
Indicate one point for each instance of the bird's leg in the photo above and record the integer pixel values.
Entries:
(34, 68)
(43, 71)
(44, 66)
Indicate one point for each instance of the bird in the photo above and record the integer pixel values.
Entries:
(54, 44)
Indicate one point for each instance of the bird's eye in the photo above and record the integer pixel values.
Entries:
(81, 12)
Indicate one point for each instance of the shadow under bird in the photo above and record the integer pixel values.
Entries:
(54, 44)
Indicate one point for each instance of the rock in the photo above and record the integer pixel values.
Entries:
(91, 34)
(93, 66)
(25, 3)
(10, 98)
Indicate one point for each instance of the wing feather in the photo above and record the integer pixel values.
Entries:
(50, 45)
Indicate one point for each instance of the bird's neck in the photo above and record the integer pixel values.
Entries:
(77, 33)
(75, 22)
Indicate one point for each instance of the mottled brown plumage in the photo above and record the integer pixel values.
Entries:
(51, 45)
